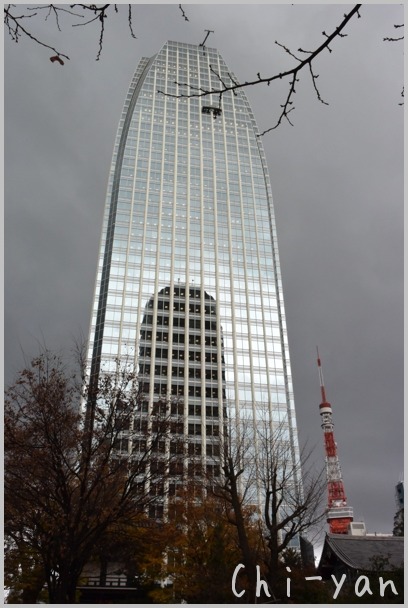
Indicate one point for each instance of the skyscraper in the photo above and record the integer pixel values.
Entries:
(189, 284)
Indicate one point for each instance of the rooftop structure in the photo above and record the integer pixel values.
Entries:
(350, 554)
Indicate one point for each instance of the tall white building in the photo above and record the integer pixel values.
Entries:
(189, 283)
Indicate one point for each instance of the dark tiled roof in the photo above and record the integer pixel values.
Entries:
(358, 552)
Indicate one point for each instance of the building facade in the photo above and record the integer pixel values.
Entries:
(188, 284)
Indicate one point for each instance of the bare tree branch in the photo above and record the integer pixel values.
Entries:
(292, 73)
(97, 13)
(16, 29)
(395, 39)
(183, 13)
(290, 490)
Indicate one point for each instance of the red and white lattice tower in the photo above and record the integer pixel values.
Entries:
(339, 515)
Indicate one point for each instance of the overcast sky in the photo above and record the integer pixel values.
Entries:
(337, 182)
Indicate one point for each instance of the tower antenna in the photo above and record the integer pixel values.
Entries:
(339, 515)
(208, 33)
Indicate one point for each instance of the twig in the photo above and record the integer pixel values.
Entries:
(183, 13)
(15, 28)
(286, 107)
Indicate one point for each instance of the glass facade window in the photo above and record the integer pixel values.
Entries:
(189, 279)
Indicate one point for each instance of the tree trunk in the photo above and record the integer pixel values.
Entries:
(62, 587)
(247, 555)
(31, 592)
(277, 573)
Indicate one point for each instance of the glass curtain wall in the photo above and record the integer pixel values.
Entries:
(189, 206)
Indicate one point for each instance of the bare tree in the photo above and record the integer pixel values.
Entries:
(291, 495)
(66, 482)
(236, 460)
